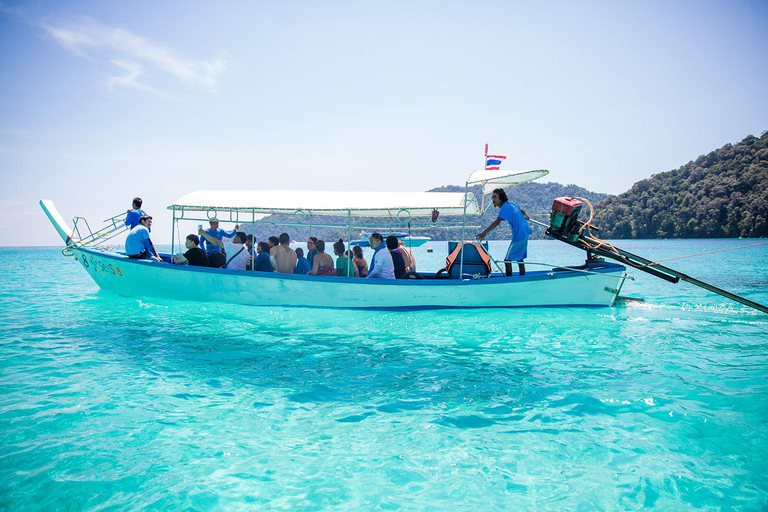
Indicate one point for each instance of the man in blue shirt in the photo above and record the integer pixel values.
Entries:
(133, 217)
(518, 223)
(302, 264)
(262, 263)
(215, 256)
(137, 243)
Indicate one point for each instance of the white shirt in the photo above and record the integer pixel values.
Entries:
(382, 266)
(240, 261)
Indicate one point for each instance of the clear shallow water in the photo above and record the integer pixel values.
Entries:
(112, 402)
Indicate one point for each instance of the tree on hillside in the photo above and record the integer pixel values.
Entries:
(723, 194)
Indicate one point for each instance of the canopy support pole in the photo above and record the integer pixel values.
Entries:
(349, 244)
(173, 231)
(463, 231)
(253, 238)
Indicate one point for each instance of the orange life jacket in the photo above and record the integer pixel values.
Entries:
(454, 256)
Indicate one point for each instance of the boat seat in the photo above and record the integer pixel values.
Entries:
(476, 259)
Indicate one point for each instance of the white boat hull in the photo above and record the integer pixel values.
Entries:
(597, 286)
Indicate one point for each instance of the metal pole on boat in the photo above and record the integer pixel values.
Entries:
(349, 243)
(173, 231)
(463, 229)
(482, 192)
(253, 238)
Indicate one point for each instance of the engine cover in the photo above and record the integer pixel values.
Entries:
(567, 205)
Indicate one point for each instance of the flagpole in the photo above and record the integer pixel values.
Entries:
(482, 194)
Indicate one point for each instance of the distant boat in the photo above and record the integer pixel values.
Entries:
(410, 241)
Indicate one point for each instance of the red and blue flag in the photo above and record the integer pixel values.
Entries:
(493, 162)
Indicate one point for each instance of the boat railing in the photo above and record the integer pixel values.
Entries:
(113, 226)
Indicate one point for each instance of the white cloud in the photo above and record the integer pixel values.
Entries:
(70, 39)
(132, 72)
(117, 44)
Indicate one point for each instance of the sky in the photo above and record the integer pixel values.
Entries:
(104, 101)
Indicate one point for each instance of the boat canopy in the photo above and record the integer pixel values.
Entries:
(332, 203)
(490, 180)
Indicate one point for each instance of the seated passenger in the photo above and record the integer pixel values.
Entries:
(262, 263)
(397, 258)
(237, 254)
(410, 261)
(273, 241)
(249, 246)
(195, 256)
(311, 249)
(344, 265)
(137, 243)
(381, 262)
(283, 257)
(323, 263)
(360, 263)
(302, 264)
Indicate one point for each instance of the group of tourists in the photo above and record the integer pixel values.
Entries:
(210, 249)
(391, 259)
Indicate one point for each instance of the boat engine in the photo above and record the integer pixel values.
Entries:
(563, 219)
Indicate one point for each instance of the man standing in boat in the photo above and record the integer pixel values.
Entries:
(237, 252)
(215, 256)
(517, 219)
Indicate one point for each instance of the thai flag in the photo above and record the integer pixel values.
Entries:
(493, 162)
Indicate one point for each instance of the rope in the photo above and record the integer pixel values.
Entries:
(588, 226)
(705, 253)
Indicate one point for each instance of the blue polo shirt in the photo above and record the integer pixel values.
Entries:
(218, 234)
(133, 218)
(137, 241)
(511, 213)
(302, 266)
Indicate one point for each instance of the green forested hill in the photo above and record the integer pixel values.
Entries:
(720, 195)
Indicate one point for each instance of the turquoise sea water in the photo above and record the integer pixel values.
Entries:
(109, 402)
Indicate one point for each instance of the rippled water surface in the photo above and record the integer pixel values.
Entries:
(661, 401)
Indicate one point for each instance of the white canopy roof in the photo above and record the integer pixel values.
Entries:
(321, 202)
(490, 180)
